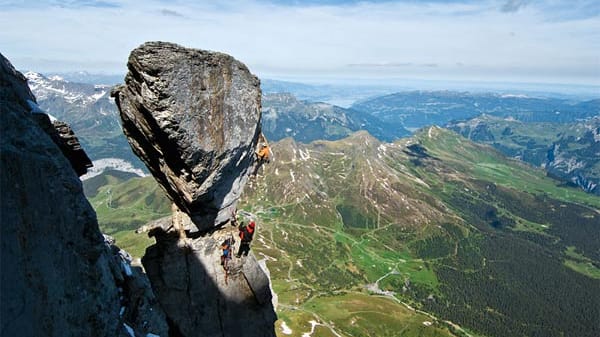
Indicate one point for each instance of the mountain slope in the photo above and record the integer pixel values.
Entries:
(89, 110)
(285, 116)
(569, 151)
(352, 228)
(123, 204)
(440, 222)
(87, 107)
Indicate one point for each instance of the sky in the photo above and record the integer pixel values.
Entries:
(523, 41)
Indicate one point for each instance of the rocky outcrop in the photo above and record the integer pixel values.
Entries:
(193, 117)
(63, 136)
(199, 296)
(577, 166)
(58, 275)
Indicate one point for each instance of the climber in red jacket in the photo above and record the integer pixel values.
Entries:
(246, 235)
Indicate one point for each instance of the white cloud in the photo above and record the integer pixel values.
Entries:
(472, 40)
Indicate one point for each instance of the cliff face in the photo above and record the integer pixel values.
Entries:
(59, 276)
(193, 117)
(198, 295)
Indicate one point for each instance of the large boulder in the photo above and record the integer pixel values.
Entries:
(193, 117)
(58, 275)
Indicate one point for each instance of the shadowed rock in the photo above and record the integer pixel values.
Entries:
(58, 275)
(193, 117)
(198, 295)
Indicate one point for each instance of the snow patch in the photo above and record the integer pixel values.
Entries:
(262, 240)
(381, 151)
(285, 329)
(312, 329)
(514, 96)
(56, 78)
(97, 96)
(370, 166)
(303, 155)
(267, 257)
(111, 163)
(313, 324)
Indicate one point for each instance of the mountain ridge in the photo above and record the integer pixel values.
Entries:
(569, 152)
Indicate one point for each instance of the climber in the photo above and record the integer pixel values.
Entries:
(263, 154)
(246, 234)
(226, 246)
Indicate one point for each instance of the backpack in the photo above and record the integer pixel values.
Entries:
(247, 234)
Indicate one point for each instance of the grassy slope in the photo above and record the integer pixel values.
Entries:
(122, 206)
(336, 217)
(532, 141)
(420, 246)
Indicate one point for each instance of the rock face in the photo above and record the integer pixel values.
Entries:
(192, 116)
(198, 295)
(58, 275)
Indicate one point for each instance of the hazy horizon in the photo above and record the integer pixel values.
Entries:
(507, 41)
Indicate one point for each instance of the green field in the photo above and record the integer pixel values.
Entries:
(122, 206)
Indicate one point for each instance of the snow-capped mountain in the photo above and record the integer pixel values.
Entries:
(55, 86)
(89, 110)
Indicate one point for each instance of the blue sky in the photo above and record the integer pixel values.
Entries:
(490, 40)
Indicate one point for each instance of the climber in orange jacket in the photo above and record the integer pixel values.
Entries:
(246, 235)
(263, 153)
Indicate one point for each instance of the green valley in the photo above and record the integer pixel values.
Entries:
(567, 151)
(124, 203)
(431, 235)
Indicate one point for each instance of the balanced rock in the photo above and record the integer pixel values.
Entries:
(193, 117)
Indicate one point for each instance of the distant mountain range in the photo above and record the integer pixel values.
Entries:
(286, 116)
(567, 151)
(90, 111)
(91, 78)
(342, 95)
(418, 109)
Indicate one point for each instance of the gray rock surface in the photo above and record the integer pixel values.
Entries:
(58, 276)
(192, 116)
(197, 294)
